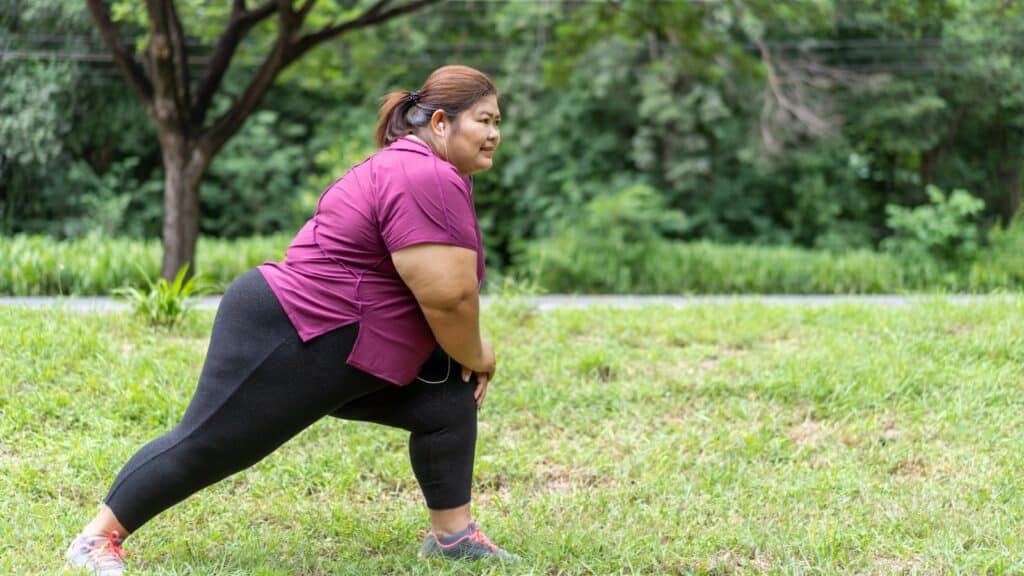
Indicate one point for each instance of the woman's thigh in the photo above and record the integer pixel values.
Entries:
(437, 399)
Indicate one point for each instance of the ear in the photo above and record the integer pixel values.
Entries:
(438, 121)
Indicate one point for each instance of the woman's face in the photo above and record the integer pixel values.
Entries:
(471, 147)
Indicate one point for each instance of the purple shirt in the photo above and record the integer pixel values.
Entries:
(338, 269)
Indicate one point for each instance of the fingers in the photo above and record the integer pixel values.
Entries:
(480, 392)
(466, 373)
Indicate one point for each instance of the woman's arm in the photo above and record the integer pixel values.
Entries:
(443, 279)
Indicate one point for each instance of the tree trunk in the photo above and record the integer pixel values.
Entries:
(184, 167)
(932, 158)
(161, 80)
(1010, 188)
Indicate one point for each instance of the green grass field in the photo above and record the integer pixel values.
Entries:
(717, 439)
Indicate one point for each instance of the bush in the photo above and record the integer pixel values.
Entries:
(619, 245)
(943, 229)
(161, 303)
(610, 247)
(1001, 265)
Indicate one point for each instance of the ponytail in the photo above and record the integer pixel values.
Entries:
(393, 124)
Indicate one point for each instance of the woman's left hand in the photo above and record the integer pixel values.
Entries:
(482, 380)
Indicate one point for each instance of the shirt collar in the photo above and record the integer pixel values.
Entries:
(407, 144)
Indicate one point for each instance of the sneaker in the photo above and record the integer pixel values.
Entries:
(471, 544)
(97, 555)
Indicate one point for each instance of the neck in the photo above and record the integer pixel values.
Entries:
(426, 140)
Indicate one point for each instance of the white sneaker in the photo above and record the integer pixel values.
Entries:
(97, 555)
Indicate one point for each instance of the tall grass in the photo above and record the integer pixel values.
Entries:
(568, 264)
(571, 263)
(38, 265)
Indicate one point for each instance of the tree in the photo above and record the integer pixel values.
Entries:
(159, 76)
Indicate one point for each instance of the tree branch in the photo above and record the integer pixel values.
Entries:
(180, 55)
(304, 10)
(373, 15)
(794, 105)
(131, 69)
(290, 21)
(240, 25)
(215, 137)
(286, 50)
(168, 109)
(279, 57)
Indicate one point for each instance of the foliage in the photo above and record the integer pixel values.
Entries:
(32, 119)
(609, 247)
(792, 123)
(943, 229)
(39, 265)
(623, 258)
(161, 303)
(251, 187)
(1001, 264)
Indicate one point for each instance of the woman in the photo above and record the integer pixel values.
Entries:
(372, 315)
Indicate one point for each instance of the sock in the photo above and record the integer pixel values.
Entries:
(446, 540)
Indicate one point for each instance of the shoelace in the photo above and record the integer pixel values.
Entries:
(479, 536)
(108, 553)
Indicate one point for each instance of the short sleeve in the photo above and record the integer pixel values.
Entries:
(425, 201)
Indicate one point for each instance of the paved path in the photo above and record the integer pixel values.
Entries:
(101, 303)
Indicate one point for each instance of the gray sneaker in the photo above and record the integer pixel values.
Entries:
(470, 544)
(97, 555)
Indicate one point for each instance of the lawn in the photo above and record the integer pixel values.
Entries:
(717, 439)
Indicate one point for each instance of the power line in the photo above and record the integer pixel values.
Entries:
(811, 44)
(856, 43)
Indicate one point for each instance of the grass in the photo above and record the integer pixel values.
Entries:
(597, 266)
(39, 265)
(721, 439)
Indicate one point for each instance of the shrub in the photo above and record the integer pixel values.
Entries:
(610, 247)
(943, 229)
(163, 304)
(1001, 265)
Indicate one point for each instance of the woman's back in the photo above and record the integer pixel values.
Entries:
(338, 268)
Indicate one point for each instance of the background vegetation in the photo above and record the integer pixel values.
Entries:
(844, 127)
(573, 261)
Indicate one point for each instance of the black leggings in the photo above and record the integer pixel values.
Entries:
(261, 385)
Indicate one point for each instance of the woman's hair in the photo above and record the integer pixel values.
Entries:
(449, 88)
